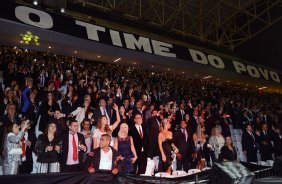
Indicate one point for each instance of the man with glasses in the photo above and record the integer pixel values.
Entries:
(139, 135)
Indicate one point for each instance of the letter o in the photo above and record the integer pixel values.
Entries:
(253, 71)
(216, 61)
(22, 13)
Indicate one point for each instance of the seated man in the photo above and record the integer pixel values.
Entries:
(104, 159)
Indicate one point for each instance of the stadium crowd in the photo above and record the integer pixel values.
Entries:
(64, 114)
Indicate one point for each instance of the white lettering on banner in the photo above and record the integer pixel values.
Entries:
(198, 57)
(264, 73)
(216, 61)
(162, 48)
(92, 30)
(239, 67)
(274, 76)
(256, 72)
(253, 71)
(45, 20)
(201, 58)
(115, 36)
(131, 42)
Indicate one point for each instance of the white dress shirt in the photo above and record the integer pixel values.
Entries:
(106, 160)
(139, 127)
(70, 160)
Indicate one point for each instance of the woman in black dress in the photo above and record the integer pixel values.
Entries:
(167, 148)
(228, 151)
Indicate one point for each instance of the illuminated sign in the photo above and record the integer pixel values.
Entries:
(29, 38)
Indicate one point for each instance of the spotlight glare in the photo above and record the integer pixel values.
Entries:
(35, 2)
(62, 10)
(117, 60)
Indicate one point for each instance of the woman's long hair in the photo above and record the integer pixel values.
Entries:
(231, 141)
(99, 124)
(163, 124)
(119, 132)
(46, 130)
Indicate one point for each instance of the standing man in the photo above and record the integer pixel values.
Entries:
(183, 140)
(73, 147)
(139, 135)
(249, 144)
(153, 144)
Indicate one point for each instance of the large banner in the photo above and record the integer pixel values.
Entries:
(67, 25)
(104, 178)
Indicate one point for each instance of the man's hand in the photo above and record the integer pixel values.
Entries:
(179, 156)
(115, 171)
(91, 154)
(82, 147)
(91, 170)
(28, 143)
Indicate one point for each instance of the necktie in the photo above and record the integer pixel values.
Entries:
(105, 113)
(42, 81)
(140, 133)
(23, 147)
(254, 141)
(183, 131)
(74, 156)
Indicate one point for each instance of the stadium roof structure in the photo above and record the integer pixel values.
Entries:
(249, 29)
(223, 23)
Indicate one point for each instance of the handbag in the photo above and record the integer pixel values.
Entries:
(15, 151)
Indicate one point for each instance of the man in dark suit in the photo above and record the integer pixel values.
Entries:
(28, 142)
(277, 139)
(138, 109)
(153, 134)
(139, 136)
(102, 110)
(73, 149)
(155, 97)
(104, 158)
(249, 144)
(264, 139)
(180, 114)
(183, 141)
(193, 122)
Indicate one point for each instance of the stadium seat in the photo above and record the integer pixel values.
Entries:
(193, 171)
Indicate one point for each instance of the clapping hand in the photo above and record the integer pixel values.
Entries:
(49, 148)
(82, 147)
(57, 148)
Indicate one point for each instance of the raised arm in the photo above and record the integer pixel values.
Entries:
(117, 117)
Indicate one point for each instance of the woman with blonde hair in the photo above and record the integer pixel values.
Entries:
(199, 139)
(167, 148)
(104, 128)
(216, 142)
(125, 146)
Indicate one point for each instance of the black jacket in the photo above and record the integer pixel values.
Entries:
(94, 161)
(65, 148)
